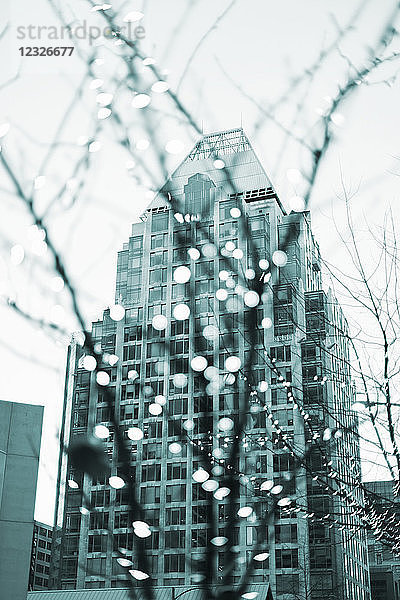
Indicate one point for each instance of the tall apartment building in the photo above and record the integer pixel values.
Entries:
(20, 436)
(40, 556)
(302, 355)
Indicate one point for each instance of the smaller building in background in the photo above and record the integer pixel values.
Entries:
(260, 591)
(384, 565)
(20, 436)
(41, 556)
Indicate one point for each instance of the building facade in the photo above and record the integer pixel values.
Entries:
(20, 436)
(40, 556)
(299, 375)
(383, 564)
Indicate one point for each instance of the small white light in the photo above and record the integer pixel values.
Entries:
(181, 312)
(263, 264)
(161, 400)
(235, 212)
(266, 323)
(124, 562)
(101, 431)
(182, 274)
(219, 163)
(194, 253)
(17, 254)
(260, 557)
(133, 16)
(103, 378)
(198, 363)
(210, 486)
(225, 424)
(219, 540)
(233, 364)
(141, 100)
(155, 409)
(116, 482)
(251, 299)
(250, 273)
(104, 98)
(221, 295)
(277, 489)
(142, 144)
(96, 84)
(159, 322)
(135, 434)
(132, 375)
(200, 475)
(284, 502)
(73, 484)
(188, 425)
(159, 87)
(117, 312)
(94, 146)
(210, 332)
(139, 575)
(222, 493)
(244, 511)
(238, 254)
(103, 113)
(180, 380)
(266, 486)
(279, 258)
(175, 448)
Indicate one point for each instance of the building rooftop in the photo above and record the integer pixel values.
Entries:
(161, 593)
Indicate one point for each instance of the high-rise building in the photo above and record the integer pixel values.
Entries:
(40, 556)
(300, 372)
(20, 436)
(384, 565)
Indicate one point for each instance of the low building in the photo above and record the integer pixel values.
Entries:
(262, 592)
(40, 556)
(383, 564)
(20, 436)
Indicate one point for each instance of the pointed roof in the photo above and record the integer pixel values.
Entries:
(243, 171)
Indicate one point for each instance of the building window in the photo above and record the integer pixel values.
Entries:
(175, 539)
(176, 493)
(286, 559)
(174, 563)
(158, 258)
(280, 354)
(151, 472)
(175, 516)
(159, 221)
(150, 495)
(158, 241)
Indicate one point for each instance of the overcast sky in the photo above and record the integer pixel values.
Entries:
(260, 47)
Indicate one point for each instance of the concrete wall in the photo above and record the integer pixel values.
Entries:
(20, 435)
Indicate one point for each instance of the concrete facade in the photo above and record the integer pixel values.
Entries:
(20, 436)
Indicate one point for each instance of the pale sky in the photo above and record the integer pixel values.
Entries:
(259, 46)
